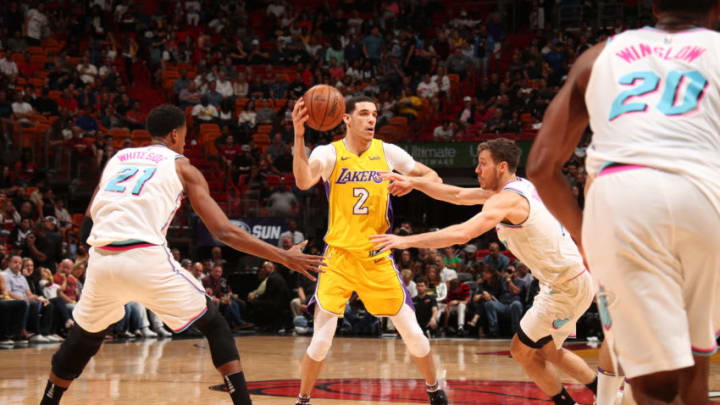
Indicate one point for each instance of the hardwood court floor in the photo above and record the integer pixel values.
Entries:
(358, 372)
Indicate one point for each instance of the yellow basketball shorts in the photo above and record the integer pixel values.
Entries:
(376, 280)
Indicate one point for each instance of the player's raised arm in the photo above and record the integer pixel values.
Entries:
(306, 173)
(438, 190)
(221, 228)
(565, 120)
(496, 208)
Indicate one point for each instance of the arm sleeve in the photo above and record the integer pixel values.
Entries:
(326, 155)
(398, 159)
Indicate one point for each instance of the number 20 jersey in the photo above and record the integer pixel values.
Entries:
(653, 101)
(137, 197)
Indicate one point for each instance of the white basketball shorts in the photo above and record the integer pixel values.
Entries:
(652, 239)
(555, 311)
(147, 275)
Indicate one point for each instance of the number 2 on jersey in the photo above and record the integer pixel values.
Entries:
(125, 175)
(359, 208)
(649, 82)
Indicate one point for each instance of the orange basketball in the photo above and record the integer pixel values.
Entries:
(325, 105)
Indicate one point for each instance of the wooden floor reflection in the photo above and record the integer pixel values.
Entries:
(358, 371)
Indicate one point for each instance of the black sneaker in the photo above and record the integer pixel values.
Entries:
(220, 387)
(437, 397)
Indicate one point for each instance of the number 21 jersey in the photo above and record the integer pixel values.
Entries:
(653, 101)
(137, 197)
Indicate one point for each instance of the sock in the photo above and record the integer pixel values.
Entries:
(303, 400)
(607, 388)
(52, 394)
(592, 386)
(432, 387)
(563, 398)
(237, 388)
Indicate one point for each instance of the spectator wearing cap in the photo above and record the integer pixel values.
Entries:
(469, 258)
(466, 114)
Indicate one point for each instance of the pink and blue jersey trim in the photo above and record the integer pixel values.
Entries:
(612, 167)
(122, 246)
(706, 352)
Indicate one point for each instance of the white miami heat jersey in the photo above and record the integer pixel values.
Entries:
(540, 241)
(138, 195)
(653, 101)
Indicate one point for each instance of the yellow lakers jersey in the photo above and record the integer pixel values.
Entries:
(358, 198)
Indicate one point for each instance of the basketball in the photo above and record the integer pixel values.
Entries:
(325, 105)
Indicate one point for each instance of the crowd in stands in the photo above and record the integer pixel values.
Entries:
(78, 78)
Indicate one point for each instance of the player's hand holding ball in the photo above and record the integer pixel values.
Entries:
(299, 117)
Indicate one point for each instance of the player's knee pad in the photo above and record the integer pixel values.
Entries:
(218, 334)
(324, 330)
(319, 347)
(406, 324)
(417, 343)
(75, 352)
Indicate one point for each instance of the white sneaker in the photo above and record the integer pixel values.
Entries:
(7, 342)
(39, 339)
(147, 333)
(54, 338)
(127, 334)
(162, 332)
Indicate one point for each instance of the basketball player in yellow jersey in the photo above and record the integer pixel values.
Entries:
(359, 207)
